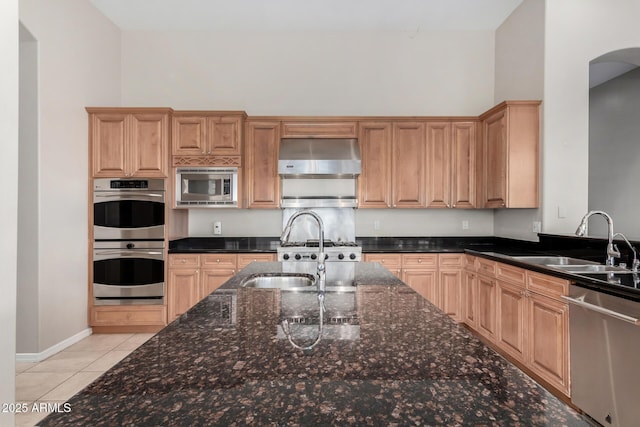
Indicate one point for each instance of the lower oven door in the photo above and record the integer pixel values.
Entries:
(128, 276)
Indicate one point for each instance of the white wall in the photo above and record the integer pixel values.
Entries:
(520, 75)
(8, 211)
(27, 326)
(576, 32)
(78, 65)
(302, 73)
(614, 154)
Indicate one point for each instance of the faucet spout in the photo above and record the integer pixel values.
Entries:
(612, 251)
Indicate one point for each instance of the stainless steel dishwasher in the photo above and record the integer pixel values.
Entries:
(605, 356)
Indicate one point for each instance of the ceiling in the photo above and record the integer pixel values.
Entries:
(307, 15)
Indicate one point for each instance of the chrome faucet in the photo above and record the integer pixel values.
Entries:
(284, 238)
(612, 251)
(635, 263)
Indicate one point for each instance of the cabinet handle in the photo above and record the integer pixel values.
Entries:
(454, 205)
(218, 260)
(183, 260)
(419, 260)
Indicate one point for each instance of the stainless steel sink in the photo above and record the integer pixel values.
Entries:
(290, 281)
(549, 260)
(590, 268)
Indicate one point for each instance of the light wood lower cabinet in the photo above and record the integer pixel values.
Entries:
(194, 276)
(437, 277)
(521, 312)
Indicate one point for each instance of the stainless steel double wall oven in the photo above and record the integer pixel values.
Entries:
(128, 247)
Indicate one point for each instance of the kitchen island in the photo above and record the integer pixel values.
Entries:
(403, 362)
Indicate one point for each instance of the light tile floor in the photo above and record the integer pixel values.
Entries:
(62, 375)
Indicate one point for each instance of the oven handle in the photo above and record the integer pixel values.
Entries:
(581, 303)
(102, 254)
(123, 195)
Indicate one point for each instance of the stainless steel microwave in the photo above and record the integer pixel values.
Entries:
(210, 187)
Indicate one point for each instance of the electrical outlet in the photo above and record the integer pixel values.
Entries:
(376, 225)
(217, 227)
(465, 224)
(537, 227)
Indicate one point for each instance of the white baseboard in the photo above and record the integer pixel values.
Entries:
(39, 357)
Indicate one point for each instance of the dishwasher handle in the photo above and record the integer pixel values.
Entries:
(581, 303)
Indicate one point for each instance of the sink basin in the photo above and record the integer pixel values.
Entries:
(289, 281)
(590, 268)
(551, 260)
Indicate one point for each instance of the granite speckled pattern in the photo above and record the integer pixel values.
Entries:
(222, 363)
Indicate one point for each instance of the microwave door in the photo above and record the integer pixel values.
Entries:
(202, 187)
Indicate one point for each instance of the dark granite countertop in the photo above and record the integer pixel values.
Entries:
(403, 362)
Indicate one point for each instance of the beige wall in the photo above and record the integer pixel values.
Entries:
(78, 65)
(520, 75)
(577, 31)
(8, 212)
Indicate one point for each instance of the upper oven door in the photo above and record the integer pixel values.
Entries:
(129, 214)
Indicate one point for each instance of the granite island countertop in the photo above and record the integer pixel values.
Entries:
(225, 363)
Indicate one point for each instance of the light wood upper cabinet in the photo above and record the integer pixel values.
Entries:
(438, 164)
(408, 165)
(127, 142)
(207, 138)
(261, 164)
(319, 129)
(510, 134)
(375, 180)
(464, 164)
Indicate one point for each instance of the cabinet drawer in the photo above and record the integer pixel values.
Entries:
(510, 273)
(547, 285)
(451, 260)
(218, 260)
(388, 260)
(486, 267)
(184, 260)
(246, 259)
(420, 260)
(128, 316)
(470, 263)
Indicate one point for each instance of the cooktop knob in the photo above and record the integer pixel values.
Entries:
(326, 256)
(340, 256)
(130, 246)
(297, 256)
(352, 256)
(314, 256)
(285, 257)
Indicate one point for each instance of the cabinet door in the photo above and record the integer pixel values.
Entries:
(548, 332)
(109, 144)
(495, 160)
(438, 164)
(424, 282)
(408, 160)
(375, 180)
(224, 135)
(182, 291)
(463, 164)
(262, 184)
(511, 311)
(188, 135)
(470, 300)
(486, 314)
(450, 288)
(213, 278)
(149, 142)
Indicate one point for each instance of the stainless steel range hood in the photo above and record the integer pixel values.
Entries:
(319, 172)
(319, 156)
